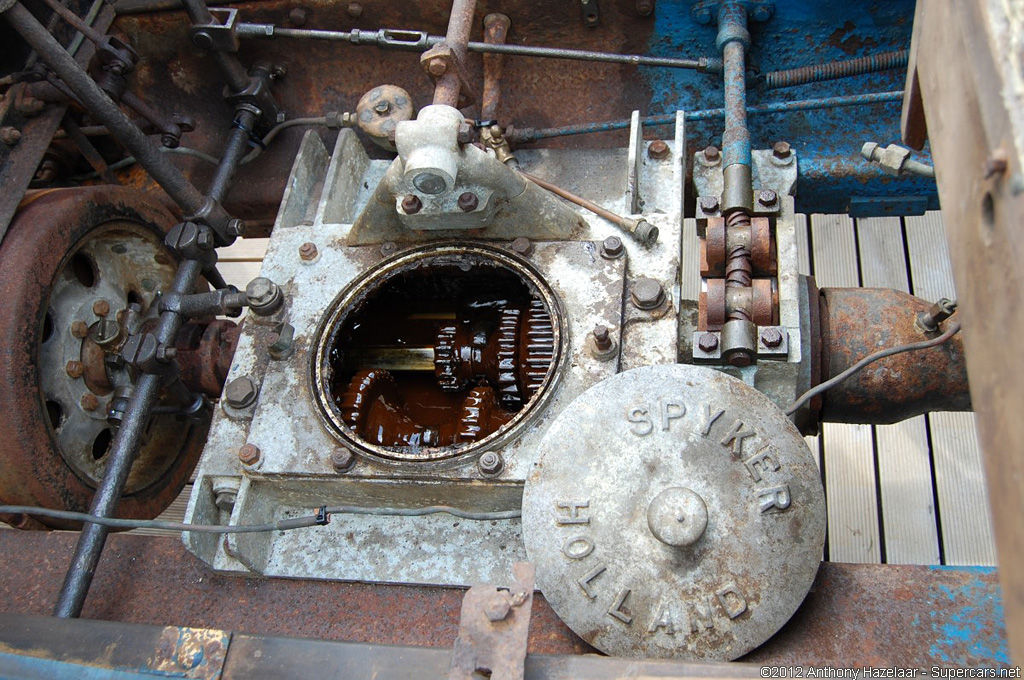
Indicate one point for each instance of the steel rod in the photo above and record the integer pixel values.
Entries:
(109, 114)
(446, 92)
(237, 145)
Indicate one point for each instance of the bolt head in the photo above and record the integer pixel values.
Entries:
(382, 107)
(74, 369)
(90, 402)
(437, 67)
(767, 198)
(240, 392)
(782, 150)
(490, 463)
(202, 39)
(79, 329)
(298, 16)
(10, 135)
(411, 204)
(712, 154)
(468, 202)
(612, 247)
(355, 10)
(388, 248)
(771, 337)
(342, 460)
(522, 246)
(308, 251)
(647, 293)
(709, 204)
(101, 308)
(249, 454)
(497, 608)
(658, 150)
(707, 342)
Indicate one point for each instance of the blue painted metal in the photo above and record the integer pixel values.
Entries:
(733, 39)
(36, 668)
(828, 141)
(967, 629)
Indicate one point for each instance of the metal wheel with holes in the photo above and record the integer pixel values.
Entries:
(71, 264)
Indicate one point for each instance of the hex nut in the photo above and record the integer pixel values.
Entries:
(771, 337)
(767, 198)
(468, 202)
(264, 296)
(782, 150)
(707, 342)
(308, 251)
(601, 339)
(90, 402)
(612, 248)
(342, 460)
(101, 308)
(388, 248)
(79, 329)
(437, 67)
(647, 293)
(411, 204)
(497, 608)
(658, 150)
(490, 463)
(10, 135)
(709, 204)
(249, 454)
(241, 392)
(522, 246)
(74, 369)
(712, 154)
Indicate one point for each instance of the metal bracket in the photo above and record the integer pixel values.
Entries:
(493, 630)
(705, 12)
(221, 35)
(634, 163)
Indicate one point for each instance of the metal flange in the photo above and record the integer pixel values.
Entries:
(674, 511)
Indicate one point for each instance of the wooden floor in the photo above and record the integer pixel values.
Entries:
(909, 493)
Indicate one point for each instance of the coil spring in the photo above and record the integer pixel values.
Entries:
(738, 267)
(836, 69)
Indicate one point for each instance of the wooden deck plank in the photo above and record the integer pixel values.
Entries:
(803, 258)
(239, 273)
(903, 456)
(244, 250)
(853, 529)
(963, 501)
(689, 269)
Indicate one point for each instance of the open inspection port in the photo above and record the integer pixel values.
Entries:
(438, 353)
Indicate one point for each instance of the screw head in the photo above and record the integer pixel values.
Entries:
(468, 201)
(101, 308)
(767, 198)
(709, 204)
(308, 251)
(411, 204)
(647, 293)
(79, 329)
(782, 150)
(74, 369)
(712, 154)
(612, 248)
(249, 454)
(382, 107)
(240, 392)
(388, 248)
(707, 342)
(437, 67)
(522, 246)
(342, 460)
(490, 463)
(771, 337)
(658, 150)
(90, 402)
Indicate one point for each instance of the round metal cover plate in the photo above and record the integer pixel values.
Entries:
(674, 512)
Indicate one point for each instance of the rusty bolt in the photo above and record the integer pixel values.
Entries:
(771, 337)
(658, 150)
(996, 163)
(497, 607)
(382, 107)
(388, 248)
(342, 460)
(9, 135)
(249, 454)
(644, 8)
(355, 10)
(308, 251)
(468, 201)
(74, 369)
(101, 308)
(79, 329)
(411, 204)
(601, 340)
(612, 248)
(240, 392)
(709, 204)
(490, 463)
(782, 150)
(707, 342)
(298, 16)
(522, 246)
(767, 198)
(90, 402)
(437, 67)
(711, 154)
(647, 293)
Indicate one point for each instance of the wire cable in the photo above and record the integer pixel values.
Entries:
(869, 359)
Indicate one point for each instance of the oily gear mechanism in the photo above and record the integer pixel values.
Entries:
(501, 369)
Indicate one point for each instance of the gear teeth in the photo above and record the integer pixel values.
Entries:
(446, 362)
(540, 347)
(508, 357)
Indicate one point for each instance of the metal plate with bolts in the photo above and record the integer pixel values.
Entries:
(674, 512)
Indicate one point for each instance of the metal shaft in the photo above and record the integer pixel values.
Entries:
(237, 145)
(495, 31)
(460, 24)
(119, 461)
(107, 112)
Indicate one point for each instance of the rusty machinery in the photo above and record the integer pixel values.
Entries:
(466, 364)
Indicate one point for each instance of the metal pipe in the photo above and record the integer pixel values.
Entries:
(121, 456)
(420, 41)
(237, 144)
(107, 112)
(446, 92)
(835, 70)
(733, 39)
(527, 135)
(495, 31)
